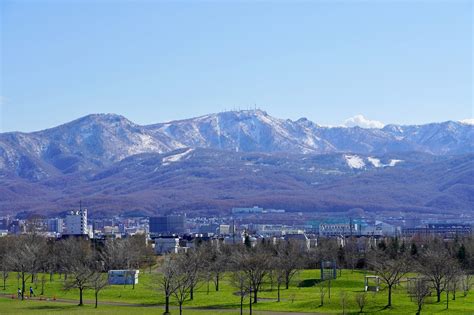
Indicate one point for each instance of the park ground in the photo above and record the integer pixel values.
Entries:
(302, 297)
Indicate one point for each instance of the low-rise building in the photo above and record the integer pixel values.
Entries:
(166, 245)
(338, 229)
(55, 225)
(447, 230)
(300, 239)
(123, 277)
(252, 210)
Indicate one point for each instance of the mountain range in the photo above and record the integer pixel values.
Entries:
(237, 158)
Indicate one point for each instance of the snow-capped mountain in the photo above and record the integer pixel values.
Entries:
(97, 141)
(247, 131)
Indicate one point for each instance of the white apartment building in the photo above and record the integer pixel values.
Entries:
(338, 229)
(76, 223)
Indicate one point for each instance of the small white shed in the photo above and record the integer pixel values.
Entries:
(123, 277)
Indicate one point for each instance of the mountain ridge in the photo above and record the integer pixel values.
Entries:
(98, 140)
(234, 159)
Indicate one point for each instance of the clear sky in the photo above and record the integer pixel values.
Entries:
(393, 61)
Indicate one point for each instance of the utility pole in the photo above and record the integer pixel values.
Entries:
(233, 231)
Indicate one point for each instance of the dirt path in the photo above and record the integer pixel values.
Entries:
(72, 301)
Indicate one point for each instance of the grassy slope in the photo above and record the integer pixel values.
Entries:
(296, 299)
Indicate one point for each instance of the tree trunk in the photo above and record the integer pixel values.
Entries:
(287, 281)
(447, 299)
(191, 292)
(255, 298)
(43, 280)
(242, 304)
(167, 304)
(80, 297)
(23, 286)
(180, 308)
(278, 288)
(389, 304)
(250, 304)
(217, 282)
(329, 288)
(96, 298)
(438, 294)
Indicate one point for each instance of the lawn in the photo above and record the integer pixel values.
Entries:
(302, 296)
(8, 307)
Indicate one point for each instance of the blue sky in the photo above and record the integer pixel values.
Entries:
(393, 61)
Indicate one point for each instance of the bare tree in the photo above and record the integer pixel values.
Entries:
(436, 265)
(218, 261)
(390, 270)
(322, 292)
(361, 300)
(255, 263)
(280, 276)
(351, 253)
(24, 257)
(420, 291)
(4, 251)
(97, 282)
(279, 273)
(289, 256)
(79, 261)
(452, 278)
(466, 282)
(167, 279)
(193, 269)
(240, 281)
(115, 254)
(183, 280)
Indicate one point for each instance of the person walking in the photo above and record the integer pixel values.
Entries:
(32, 293)
(19, 293)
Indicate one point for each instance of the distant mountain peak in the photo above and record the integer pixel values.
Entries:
(106, 117)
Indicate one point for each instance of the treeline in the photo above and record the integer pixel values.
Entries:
(83, 264)
(428, 265)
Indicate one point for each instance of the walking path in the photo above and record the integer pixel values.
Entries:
(72, 301)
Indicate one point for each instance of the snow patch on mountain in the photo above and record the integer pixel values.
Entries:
(375, 162)
(176, 157)
(394, 162)
(354, 161)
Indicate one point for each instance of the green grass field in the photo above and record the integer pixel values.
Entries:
(300, 297)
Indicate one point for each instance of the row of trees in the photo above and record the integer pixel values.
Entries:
(439, 266)
(82, 264)
(249, 268)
